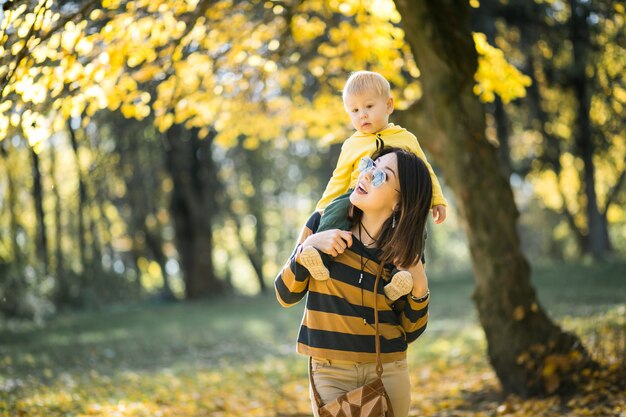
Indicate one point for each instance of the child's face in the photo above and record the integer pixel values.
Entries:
(369, 112)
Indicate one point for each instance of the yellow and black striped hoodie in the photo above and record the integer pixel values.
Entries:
(338, 320)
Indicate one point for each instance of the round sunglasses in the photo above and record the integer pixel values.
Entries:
(378, 175)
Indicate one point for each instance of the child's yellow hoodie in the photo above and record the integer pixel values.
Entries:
(359, 145)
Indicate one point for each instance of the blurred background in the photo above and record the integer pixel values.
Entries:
(211, 134)
(158, 152)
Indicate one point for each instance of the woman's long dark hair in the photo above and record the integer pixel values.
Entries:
(403, 245)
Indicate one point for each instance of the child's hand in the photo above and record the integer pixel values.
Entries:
(439, 213)
(332, 242)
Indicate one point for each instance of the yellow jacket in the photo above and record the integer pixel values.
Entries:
(357, 146)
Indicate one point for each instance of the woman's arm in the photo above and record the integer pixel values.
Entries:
(413, 309)
(292, 281)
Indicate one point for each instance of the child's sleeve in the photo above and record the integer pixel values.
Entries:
(438, 198)
(292, 282)
(340, 181)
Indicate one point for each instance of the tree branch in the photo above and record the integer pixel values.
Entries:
(26, 51)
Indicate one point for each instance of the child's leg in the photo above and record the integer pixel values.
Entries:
(335, 216)
(401, 284)
(402, 278)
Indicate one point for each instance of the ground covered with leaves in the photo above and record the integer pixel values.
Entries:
(234, 357)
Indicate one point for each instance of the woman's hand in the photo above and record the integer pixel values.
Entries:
(332, 242)
(420, 281)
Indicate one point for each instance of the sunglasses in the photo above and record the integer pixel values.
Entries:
(378, 175)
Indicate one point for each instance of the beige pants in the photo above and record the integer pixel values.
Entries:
(333, 378)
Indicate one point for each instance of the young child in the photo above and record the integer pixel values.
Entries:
(367, 100)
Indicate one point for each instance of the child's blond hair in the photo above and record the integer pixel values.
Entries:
(362, 81)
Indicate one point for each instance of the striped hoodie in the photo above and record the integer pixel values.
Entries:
(338, 320)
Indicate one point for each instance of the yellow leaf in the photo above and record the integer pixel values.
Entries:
(519, 313)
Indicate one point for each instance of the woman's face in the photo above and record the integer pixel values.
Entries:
(381, 200)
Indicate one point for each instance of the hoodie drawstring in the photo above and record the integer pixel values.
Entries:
(380, 143)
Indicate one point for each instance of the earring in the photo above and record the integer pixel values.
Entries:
(393, 220)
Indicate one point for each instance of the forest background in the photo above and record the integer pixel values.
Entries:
(155, 153)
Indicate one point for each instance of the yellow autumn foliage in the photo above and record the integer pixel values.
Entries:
(227, 77)
(245, 69)
(495, 76)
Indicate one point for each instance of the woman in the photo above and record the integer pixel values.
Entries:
(390, 207)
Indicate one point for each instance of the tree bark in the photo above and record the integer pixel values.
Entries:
(487, 23)
(12, 202)
(550, 158)
(155, 245)
(251, 164)
(41, 242)
(82, 196)
(193, 206)
(503, 133)
(525, 348)
(96, 239)
(62, 291)
(597, 235)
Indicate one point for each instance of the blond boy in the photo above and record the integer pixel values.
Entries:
(367, 100)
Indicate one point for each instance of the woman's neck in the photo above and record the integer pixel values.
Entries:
(369, 229)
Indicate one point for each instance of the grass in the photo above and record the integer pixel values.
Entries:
(87, 363)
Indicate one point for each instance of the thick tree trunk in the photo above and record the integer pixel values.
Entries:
(526, 350)
(193, 206)
(597, 236)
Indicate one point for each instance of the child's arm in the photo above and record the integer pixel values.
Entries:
(340, 180)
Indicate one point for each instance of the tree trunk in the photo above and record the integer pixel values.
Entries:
(82, 196)
(62, 290)
(550, 158)
(14, 226)
(41, 242)
(96, 239)
(501, 119)
(156, 247)
(597, 235)
(502, 133)
(526, 350)
(193, 205)
(104, 232)
(257, 207)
